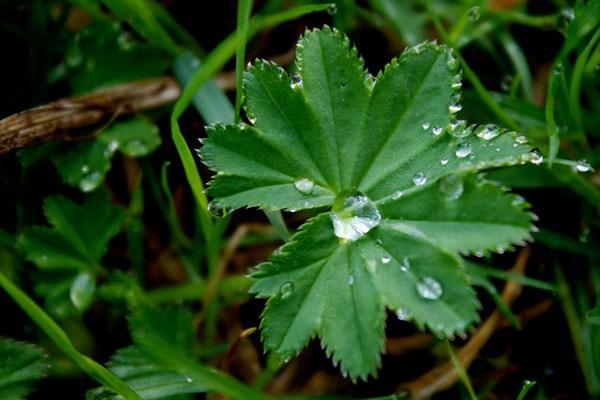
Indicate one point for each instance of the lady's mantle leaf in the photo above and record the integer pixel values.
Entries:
(22, 364)
(398, 171)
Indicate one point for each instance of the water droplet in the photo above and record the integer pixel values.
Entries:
(451, 186)
(112, 146)
(426, 125)
(351, 280)
(386, 259)
(479, 253)
(332, 9)
(521, 139)
(405, 266)
(252, 120)
(456, 82)
(82, 290)
(437, 130)
(296, 81)
(85, 168)
(370, 81)
(371, 266)
(458, 128)
(355, 216)
(429, 288)
(90, 182)
(397, 194)
(216, 210)
(286, 289)
(419, 179)
(188, 379)
(582, 166)
(500, 250)
(454, 108)
(444, 161)
(451, 61)
(474, 14)
(487, 132)
(378, 242)
(304, 186)
(403, 314)
(536, 157)
(463, 150)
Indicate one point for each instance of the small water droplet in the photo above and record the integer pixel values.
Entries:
(397, 194)
(252, 120)
(403, 314)
(419, 179)
(286, 289)
(354, 216)
(216, 210)
(188, 379)
(386, 259)
(437, 130)
(378, 242)
(500, 250)
(85, 168)
(456, 82)
(296, 81)
(451, 186)
(521, 139)
(487, 132)
(304, 186)
(474, 14)
(370, 81)
(351, 280)
(451, 61)
(112, 146)
(90, 182)
(426, 125)
(444, 161)
(536, 157)
(405, 266)
(463, 150)
(429, 288)
(582, 166)
(458, 128)
(479, 253)
(454, 108)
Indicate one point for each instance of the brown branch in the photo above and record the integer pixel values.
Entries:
(444, 376)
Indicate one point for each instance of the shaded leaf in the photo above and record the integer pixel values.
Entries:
(22, 364)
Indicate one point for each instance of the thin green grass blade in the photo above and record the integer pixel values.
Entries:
(243, 15)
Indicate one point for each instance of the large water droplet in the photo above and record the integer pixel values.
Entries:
(429, 288)
(286, 289)
(488, 132)
(419, 179)
(474, 14)
(451, 186)
(536, 157)
(583, 166)
(90, 182)
(304, 186)
(355, 216)
(463, 150)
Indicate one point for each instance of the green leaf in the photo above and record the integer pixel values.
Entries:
(149, 379)
(86, 163)
(22, 364)
(69, 253)
(399, 173)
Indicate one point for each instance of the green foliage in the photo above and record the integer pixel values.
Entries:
(69, 253)
(22, 364)
(397, 170)
(85, 164)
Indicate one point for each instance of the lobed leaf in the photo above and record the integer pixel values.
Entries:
(22, 364)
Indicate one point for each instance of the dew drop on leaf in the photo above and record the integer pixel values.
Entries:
(332, 9)
(582, 166)
(419, 179)
(536, 157)
(85, 168)
(451, 187)
(111, 147)
(463, 150)
(521, 139)
(386, 259)
(487, 132)
(371, 266)
(296, 81)
(405, 266)
(304, 186)
(444, 161)
(429, 288)
(378, 242)
(426, 125)
(286, 289)
(354, 216)
(188, 379)
(90, 182)
(397, 194)
(454, 108)
(351, 280)
(474, 14)
(451, 61)
(403, 314)
(437, 131)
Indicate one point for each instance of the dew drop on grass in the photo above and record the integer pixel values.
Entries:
(304, 186)
(463, 150)
(286, 289)
(583, 166)
(429, 288)
(426, 125)
(354, 216)
(451, 187)
(474, 14)
(90, 182)
(419, 179)
(386, 259)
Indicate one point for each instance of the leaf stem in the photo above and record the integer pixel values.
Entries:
(243, 15)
